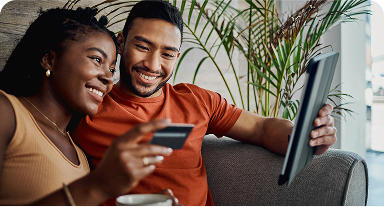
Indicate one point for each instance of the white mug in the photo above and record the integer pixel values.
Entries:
(144, 200)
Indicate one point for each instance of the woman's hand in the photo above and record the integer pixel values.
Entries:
(123, 165)
(168, 192)
(125, 162)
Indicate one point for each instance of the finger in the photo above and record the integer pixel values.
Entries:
(323, 131)
(165, 192)
(141, 169)
(151, 160)
(175, 201)
(137, 159)
(135, 134)
(145, 171)
(325, 120)
(323, 141)
(151, 150)
(326, 110)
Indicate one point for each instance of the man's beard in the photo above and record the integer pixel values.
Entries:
(126, 78)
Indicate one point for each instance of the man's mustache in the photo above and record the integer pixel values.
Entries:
(143, 68)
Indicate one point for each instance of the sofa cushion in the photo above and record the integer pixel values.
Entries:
(245, 174)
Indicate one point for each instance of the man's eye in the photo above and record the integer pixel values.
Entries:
(142, 47)
(168, 55)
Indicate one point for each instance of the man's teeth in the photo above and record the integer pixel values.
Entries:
(147, 77)
(97, 92)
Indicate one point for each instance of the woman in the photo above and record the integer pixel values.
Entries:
(64, 64)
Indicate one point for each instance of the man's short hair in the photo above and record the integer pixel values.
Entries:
(155, 9)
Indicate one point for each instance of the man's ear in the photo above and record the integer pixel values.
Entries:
(47, 61)
(121, 39)
(177, 58)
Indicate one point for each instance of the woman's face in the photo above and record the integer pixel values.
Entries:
(82, 74)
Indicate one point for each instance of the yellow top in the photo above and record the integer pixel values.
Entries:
(33, 166)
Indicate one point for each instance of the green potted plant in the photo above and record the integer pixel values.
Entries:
(277, 51)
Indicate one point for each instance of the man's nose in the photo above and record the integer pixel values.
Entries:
(153, 61)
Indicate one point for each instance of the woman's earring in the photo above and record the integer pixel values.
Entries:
(48, 73)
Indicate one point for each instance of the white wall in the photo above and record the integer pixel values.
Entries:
(353, 62)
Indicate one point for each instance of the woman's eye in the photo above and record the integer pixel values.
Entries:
(112, 71)
(97, 59)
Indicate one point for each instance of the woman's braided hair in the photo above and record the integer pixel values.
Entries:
(22, 75)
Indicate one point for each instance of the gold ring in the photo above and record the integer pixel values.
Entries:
(145, 161)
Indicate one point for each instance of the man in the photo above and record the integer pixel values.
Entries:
(150, 47)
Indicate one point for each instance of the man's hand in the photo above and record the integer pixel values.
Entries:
(324, 136)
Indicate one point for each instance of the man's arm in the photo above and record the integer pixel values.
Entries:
(272, 133)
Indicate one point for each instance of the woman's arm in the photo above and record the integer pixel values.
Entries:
(121, 169)
(7, 126)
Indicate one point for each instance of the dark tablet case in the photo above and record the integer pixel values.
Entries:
(319, 78)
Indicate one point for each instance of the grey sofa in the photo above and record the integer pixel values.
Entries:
(245, 174)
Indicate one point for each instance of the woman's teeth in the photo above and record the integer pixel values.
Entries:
(95, 91)
(147, 77)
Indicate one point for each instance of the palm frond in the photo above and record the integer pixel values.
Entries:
(278, 51)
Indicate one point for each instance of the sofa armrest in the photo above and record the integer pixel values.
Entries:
(244, 174)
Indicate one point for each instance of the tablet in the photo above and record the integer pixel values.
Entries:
(318, 82)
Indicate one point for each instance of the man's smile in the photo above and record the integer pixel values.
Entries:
(147, 77)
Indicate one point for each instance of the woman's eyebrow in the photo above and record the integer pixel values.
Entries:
(99, 50)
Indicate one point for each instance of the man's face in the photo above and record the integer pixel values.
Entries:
(148, 56)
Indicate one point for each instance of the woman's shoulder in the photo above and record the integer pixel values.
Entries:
(6, 107)
(7, 119)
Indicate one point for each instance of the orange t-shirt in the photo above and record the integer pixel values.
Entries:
(184, 171)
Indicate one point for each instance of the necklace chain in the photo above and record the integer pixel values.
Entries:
(46, 117)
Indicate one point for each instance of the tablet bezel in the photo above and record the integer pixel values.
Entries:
(320, 70)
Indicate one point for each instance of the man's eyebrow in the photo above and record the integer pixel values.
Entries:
(99, 50)
(143, 39)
